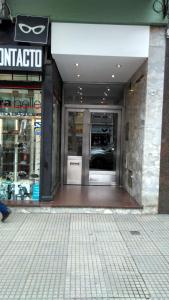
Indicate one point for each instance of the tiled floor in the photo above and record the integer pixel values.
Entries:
(84, 256)
(93, 196)
(85, 196)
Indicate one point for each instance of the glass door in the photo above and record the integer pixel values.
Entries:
(92, 147)
(104, 148)
(74, 147)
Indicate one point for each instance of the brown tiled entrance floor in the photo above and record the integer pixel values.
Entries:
(93, 196)
(85, 196)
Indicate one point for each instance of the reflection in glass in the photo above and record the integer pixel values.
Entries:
(20, 77)
(103, 141)
(75, 133)
(4, 76)
(56, 160)
(20, 136)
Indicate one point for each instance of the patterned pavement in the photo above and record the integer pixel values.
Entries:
(89, 256)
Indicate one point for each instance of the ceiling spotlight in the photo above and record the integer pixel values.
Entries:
(131, 89)
(112, 75)
(78, 75)
(102, 102)
(118, 66)
(103, 99)
(76, 64)
(80, 88)
(81, 98)
(108, 90)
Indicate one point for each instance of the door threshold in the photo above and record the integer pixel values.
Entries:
(102, 184)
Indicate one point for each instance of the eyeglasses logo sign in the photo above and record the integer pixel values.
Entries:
(31, 29)
(27, 29)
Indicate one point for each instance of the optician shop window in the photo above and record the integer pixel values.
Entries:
(20, 139)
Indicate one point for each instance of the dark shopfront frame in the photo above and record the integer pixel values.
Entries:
(51, 87)
(7, 40)
(51, 90)
(51, 96)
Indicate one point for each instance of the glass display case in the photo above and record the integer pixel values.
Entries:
(20, 138)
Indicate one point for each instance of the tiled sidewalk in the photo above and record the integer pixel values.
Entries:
(84, 256)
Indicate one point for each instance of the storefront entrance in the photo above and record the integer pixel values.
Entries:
(92, 141)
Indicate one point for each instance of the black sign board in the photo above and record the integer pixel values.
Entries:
(20, 58)
(31, 29)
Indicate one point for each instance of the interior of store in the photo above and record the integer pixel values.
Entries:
(20, 141)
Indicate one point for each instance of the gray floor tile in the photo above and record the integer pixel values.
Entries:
(152, 264)
(142, 248)
(75, 256)
(158, 285)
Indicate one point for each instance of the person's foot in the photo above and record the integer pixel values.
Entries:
(5, 216)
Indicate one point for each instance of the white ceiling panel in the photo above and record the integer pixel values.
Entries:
(98, 49)
(96, 69)
(99, 39)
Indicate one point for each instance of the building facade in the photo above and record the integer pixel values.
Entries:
(87, 105)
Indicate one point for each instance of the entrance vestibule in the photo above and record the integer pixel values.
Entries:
(96, 151)
(92, 143)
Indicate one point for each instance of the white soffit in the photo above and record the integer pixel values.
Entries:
(98, 49)
(101, 40)
(96, 69)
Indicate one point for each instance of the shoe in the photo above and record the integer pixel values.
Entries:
(5, 216)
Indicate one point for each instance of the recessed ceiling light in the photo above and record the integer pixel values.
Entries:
(80, 88)
(112, 75)
(81, 98)
(78, 75)
(108, 90)
(131, 89)
(76, 64)
(118, 66)
(102, 102)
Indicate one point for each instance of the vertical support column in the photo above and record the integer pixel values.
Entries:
(37, 151)
(164, 162)
(32, 148)
(46, 138)
(16, 152)
(1, 147)
(86, 147)
(153, 120)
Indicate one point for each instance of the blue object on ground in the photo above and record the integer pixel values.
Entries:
(35, 192)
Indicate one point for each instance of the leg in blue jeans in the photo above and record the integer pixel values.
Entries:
(5, 211)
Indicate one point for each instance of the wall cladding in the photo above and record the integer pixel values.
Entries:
(153, 120)
(134, 120)
(164, 165)
(144, 114)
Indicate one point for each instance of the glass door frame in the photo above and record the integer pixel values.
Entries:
(118, 154)
(65, 140)
(87, 110)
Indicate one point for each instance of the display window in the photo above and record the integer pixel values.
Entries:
(20, 143)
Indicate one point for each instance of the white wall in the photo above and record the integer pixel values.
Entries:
(101, 40)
